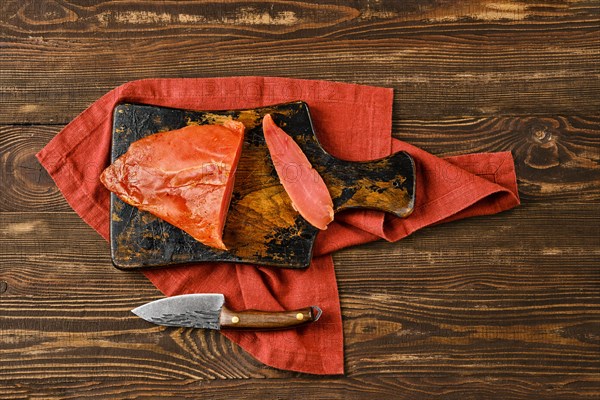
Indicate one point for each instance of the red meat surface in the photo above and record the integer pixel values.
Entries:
(184, 177)
(303, 184)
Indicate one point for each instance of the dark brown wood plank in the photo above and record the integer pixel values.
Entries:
(84, 19)
(425, 80)
(397, 387)
(26, 186)
(454, 256)
(474, 58)
(555, 156)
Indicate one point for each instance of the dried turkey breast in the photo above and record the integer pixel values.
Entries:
(184, 177)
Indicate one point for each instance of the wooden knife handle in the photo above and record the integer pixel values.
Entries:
(386, 184)
(268, 320)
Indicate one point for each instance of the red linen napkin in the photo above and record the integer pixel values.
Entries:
(352, 122)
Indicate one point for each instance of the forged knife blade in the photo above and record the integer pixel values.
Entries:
(208, 311)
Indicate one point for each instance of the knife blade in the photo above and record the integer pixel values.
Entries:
(208, 311)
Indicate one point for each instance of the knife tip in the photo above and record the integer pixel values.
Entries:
(136, 311)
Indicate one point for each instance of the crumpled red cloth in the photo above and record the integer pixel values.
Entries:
(352, 122)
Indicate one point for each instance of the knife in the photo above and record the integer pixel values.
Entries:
(208, 311)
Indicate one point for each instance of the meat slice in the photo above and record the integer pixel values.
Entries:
(184, 177)
(307, 190)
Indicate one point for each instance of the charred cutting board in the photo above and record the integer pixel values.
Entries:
(262, 227)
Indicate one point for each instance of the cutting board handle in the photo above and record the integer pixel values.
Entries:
(386, 184)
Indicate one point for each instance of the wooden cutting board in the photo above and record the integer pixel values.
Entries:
(262, 227)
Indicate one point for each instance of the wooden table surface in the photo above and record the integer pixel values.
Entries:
(505, 306)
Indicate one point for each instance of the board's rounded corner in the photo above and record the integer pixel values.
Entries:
(122, 267)
(121, 107)
(302, 103)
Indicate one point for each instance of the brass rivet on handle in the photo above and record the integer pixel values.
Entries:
(299, 316)
(235, 320)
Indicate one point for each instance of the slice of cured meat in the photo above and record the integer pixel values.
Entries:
(307, 190)
(184, 177)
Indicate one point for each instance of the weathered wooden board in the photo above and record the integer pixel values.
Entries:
(262, 226)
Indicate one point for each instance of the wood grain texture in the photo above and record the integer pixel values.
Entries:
(468, 58)
(555, 156)
(519, 313)
(400, 387)
(495, 307)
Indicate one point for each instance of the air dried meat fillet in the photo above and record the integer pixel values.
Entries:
(303, 184)
(184, 177)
